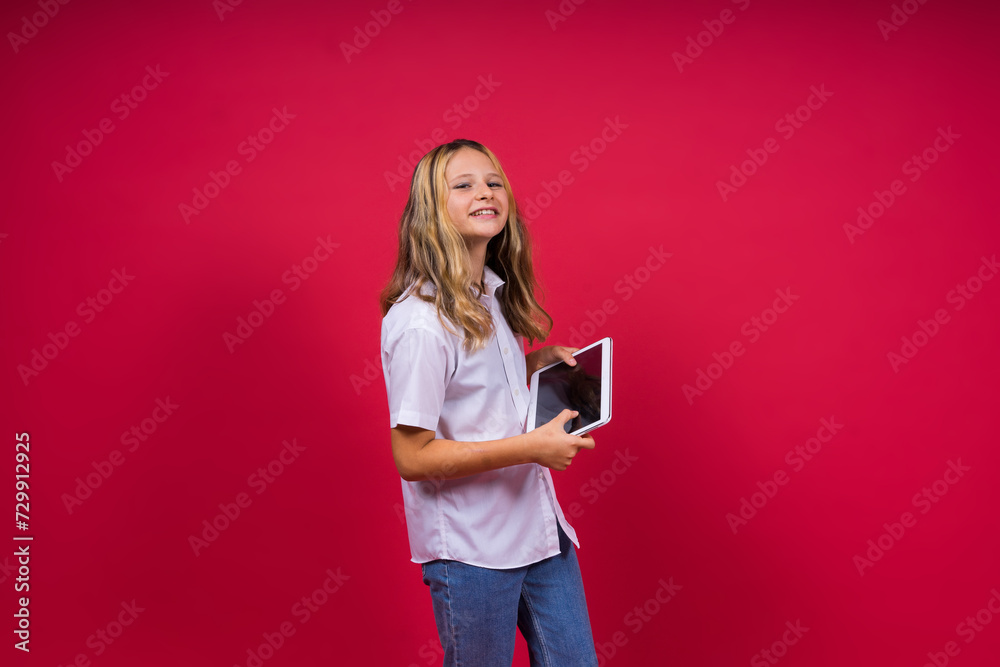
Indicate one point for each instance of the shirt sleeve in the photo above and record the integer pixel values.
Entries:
(417, 368)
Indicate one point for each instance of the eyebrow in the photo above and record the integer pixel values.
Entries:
(464, 175)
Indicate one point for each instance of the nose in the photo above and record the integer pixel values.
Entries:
(483, 189)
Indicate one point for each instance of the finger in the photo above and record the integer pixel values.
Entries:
(587, 443)
(565, 415)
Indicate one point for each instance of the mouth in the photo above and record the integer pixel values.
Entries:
(487, 212)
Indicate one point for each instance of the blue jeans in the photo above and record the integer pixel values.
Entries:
(477, 609)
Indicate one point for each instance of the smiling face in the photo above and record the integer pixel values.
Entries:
(474, 185)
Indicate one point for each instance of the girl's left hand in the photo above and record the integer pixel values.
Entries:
(549, 354)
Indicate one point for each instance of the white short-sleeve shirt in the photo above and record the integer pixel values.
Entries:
(501, 518)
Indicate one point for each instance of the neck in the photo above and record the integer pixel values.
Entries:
(477, 257)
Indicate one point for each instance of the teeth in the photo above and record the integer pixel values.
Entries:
(484, 212)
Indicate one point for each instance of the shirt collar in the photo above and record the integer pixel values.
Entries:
(492, 280)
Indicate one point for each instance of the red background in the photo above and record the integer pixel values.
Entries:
(311, 370)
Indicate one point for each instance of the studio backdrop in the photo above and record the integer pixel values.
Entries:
(783, 213)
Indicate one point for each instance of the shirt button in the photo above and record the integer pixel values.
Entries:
(506, 350)
(517, 392)
(541, 475)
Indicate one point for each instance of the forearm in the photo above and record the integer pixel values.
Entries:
(531, 364)
(441, 459)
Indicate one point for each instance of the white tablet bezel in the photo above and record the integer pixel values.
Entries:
(605, 344)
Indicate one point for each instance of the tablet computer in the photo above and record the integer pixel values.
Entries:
(585, 387)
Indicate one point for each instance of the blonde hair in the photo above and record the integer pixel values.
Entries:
(431, 250)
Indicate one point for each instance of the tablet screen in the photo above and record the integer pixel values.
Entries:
(573, 387)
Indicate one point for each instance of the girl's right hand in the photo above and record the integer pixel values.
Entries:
(553, 447)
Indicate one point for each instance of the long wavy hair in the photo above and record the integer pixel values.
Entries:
(431, 250)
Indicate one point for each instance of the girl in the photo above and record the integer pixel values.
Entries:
(481, 512)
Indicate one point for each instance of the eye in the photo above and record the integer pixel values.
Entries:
(499, 185)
